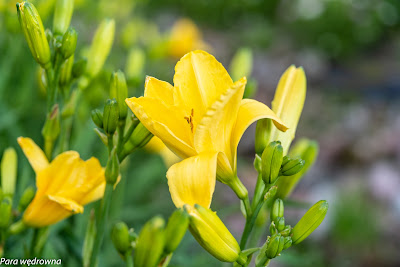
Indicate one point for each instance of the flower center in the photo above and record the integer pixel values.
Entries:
(190, 120)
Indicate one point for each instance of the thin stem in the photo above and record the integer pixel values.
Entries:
(38, 241)
(128, 259)
(264, 262)
(260, 186)
(121, 129)
(110, 143)
(166, 261)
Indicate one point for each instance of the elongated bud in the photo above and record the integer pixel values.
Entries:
(150, 243)
(9, 164)
(176, 228)
(275, 246)
(120, 237)
(110, 116)
(101, 46)
(135, 64)
(66, 73)
(310, 221)
(5, 211)
(211, 233)
(32, 27)
(271, 161)
(271, 193)
(97, 118)
(42, 80)
(277, 209)
(112, 168)
(263, 132)
(119, 91)
(241, 64)
(292, 167)
(139, 138)
(68, 44)
(79, 68)
(280, 223)
(62, 15)
(286, 231)
(26, 198)
(272, 228)
(51, 128)
(287, 242)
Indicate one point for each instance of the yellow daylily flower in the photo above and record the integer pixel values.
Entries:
(201, 119)
(64, 185)
(155, 145)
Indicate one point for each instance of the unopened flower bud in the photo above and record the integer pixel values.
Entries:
(101, 46)
(42, 80)
(272, 228)
(51, 128)
(26, 198)
(135, 64)
(241, 64)
(292, 167)
(271, 161)
(150, 243)
(9, 164)
(120, 237)
(119, 91)
(97, 118)
(277, 209)
(62, 15)
(286, 231)
(112, 168)
(310, 221)
(280, 223)
(176, 228)
(66, 73)
(5, 211)
(35, 36)
(79, 68)
(271, 192)
(287, 242)
(68, 43)
(110, 116)
(263, 132)
(211, 233)
(139, 138)
(275, 246)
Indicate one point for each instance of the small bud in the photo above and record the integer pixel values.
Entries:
(62, 15)
(275, 246)
(257, 163)
(139, 138)
(286, 231)
(211, 233)
(119, 91)
(292, 167)
(310, 221)
(277, 209)
(110, 116)
(68, 43)
(51, 128)
(280, 223)
(9, 164)
(97, 118)
(271, 161)
(120, 237)
(101, 46)
(79, 68)
(150, 243)
(271, 192)
(285, 160)
(42, 80)
(102, 136)
(26, 198)
(287, 242)
(241, 64)
(176, 228)
(66, 73)
(5, 211)
(263, 132)
(272, 228)
(32, 27)
(112, 168)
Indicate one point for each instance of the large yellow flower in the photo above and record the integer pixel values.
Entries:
(201, 119)
(64, 186)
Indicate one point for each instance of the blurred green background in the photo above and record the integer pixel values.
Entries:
(350, 50)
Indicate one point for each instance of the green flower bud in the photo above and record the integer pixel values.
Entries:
(275, 246)
(150, 243)
(257, 163)
(62, 15)
(79, 68)
(110, 116)
(101, 46)
(285, 160)
(32, 27)
(211, 233)
(176, 228)
(277, 209)
(97, 118)
(102, 136)
(42, 80)
(271, 192)
(139, 138)
(120, 237)
(292, 167)
(272, 228)
(51, 128)
(286, 231)
(9, 164)
(287, 242)
(119, 91)
(271, 161)
(310, 221)
(112, 168)
(68, 44)
(280, 223)
(66, 73)
(5, 211)
(135, 64)
(26, 198)
(241, 64)
(263, 132)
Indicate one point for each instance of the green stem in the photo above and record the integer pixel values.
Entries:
(66, 126)
(128, 259)
(121, 129)
(102, 220)
(264, 262)
(110, 143)
(38, 241)
(166, 261)
(260, 186)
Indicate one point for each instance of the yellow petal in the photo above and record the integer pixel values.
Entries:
(166, 122)
(95, 181)
(199, 80)
(249, 112)
(67, 204)
(214, 131)
(160, 90)
(192, 181)
(35, 155)
(288, 103)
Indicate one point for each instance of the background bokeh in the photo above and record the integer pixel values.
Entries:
(350, 50)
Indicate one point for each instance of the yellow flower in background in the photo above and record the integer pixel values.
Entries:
(185, 37)
(157, 146)
(201, 119)
(64, 185)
